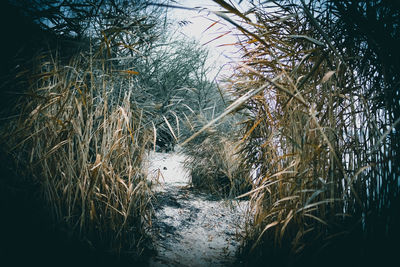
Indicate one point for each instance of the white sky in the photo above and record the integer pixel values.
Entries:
(200, 21)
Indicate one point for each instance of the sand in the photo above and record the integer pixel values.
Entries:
(191, 228)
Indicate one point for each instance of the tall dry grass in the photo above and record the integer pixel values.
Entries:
(325, 187)
(214, 165)
(83, 146)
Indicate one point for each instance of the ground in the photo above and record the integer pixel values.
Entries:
(192, 228)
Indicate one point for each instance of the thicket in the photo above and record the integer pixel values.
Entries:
(89, 87)
(320, 85)
(72, 135)
(215, 165)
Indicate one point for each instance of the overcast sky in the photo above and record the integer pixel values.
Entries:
(222, 53)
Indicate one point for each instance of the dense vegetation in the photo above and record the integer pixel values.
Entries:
(306, 128)
(90, 88)
(321, 131)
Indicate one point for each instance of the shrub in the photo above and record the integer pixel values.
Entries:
(215, 167)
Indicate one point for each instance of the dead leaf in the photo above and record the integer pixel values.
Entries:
(132, 72)
(327, 76)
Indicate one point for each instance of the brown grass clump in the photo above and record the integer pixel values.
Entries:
(83, 146)
(325, 180)
(214, 166)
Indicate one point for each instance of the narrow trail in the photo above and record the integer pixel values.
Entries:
(192, 228)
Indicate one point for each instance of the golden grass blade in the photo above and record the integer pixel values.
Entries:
(270, 225)
(154, 136)
(308, 38)
(131, 72)
(312, 205)
(216, 38)
(222, 15)
(228, 110)
(286, 222)
(212, 25)
(170, 128)
(285, 199)
(231, 9)
(315, 218)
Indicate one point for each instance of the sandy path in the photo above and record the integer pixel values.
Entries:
(192, 228)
